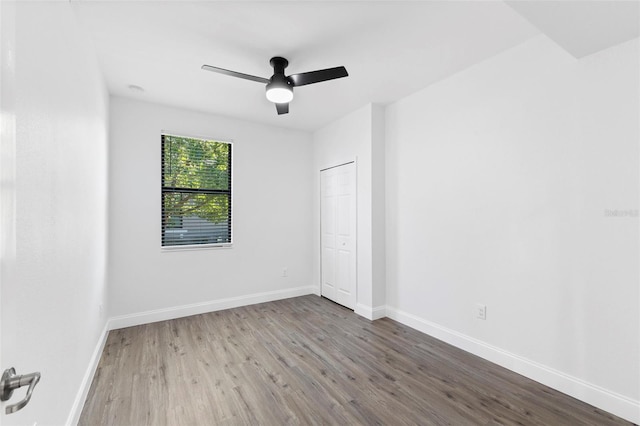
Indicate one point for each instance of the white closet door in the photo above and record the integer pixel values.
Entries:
(338, 234)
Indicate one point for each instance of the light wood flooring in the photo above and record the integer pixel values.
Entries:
(307, 360)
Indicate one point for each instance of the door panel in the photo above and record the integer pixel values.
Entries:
(342, 215)
(328, 273)
(338, 234)
(343, 279)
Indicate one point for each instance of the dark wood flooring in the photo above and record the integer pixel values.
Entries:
(307, 360)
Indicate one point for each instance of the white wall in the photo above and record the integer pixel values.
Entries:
(356, 137)
(54, 202)
(498, 179)
(271, 215)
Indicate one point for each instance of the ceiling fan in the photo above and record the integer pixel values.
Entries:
(279, 86)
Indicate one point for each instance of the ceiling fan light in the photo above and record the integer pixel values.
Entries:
(279, 92)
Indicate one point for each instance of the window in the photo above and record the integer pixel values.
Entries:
(196, 191)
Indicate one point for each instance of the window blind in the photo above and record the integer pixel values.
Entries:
(196, 191)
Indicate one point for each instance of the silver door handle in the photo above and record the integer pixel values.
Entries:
(10, 382)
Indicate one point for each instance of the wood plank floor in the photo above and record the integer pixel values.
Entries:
(307, 360)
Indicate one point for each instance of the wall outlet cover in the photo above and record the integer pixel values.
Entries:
(481, 311)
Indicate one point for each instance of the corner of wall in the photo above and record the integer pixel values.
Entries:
(87, 379)
(378, 205)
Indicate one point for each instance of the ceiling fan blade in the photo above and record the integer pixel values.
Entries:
(282, 108)
(235, 74)
(318, 76)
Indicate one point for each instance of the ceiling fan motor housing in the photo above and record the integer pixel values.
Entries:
(280, 88)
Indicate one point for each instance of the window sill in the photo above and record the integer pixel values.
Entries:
(168, 249)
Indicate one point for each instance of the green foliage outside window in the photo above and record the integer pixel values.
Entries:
(196, 190)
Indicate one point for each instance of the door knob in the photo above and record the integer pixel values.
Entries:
(11, 381)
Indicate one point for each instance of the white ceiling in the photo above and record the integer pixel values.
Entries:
(390, 49)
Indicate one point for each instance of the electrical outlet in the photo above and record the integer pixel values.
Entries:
(285, 272)
(481, 311)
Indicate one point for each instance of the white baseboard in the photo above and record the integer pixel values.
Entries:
(370, 313)
(81, 396)
(379, 312)
(147, 317)
(364, 311)
(597, 396)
